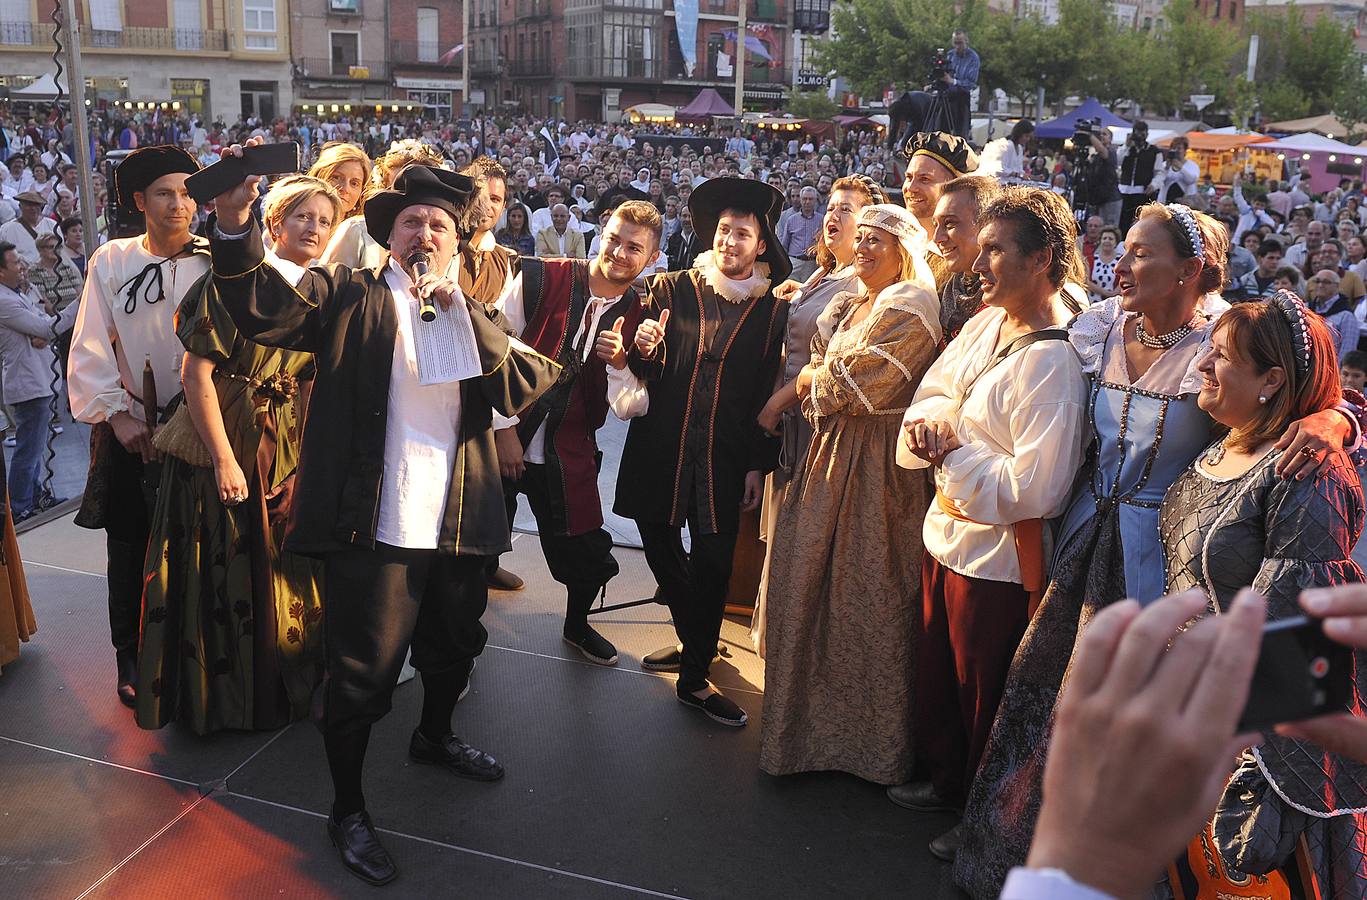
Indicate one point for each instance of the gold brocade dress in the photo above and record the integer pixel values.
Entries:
(231, 633)
(17, 624)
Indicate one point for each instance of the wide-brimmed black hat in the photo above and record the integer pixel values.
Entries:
(716, 195)
(140, 168)
(949, 150)
(614, 197)
(418, 185)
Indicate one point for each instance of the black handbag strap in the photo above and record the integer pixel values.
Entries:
(1019, 343)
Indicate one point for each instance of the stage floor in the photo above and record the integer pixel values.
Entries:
(613, 789)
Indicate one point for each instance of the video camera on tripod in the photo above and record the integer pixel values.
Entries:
(1080, 177)
(1084, 131)
(940, 66)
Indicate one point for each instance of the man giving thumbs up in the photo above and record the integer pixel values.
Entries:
(698, 455)
(548, 452)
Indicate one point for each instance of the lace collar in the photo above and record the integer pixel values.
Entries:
(1089, 331)
(730, 289)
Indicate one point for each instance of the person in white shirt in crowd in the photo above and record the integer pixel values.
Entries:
(560, 240)
(23, 232)
(1005, 157)
(541, 218)
(1251, 215)
(1176, 177)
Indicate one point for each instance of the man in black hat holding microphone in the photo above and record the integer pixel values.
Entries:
(710, 353)
(125, 342)
(398, 486)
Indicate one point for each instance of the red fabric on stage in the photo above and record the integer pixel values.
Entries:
(969, 631)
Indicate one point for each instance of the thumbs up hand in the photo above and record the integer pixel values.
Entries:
(609, 347)
(650, 333)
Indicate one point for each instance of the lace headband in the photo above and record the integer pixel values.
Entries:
(900, 223)
(1184, 216)
(1293, 309)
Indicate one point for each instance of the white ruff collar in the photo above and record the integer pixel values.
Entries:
(729, 289)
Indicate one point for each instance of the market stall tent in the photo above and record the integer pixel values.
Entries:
(1324, 159)
(708, 103)
(650, 112)
(1328, 125)
(1221, 154)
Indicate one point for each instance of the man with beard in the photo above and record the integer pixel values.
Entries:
(125, 328)
(583, 314)
(710, 354)
(405, 553)
(933, 159)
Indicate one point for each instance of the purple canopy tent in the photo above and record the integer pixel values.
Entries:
(708, 103)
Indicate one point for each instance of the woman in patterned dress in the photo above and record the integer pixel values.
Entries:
(231, 626)
(839, 665)
(1229, 522)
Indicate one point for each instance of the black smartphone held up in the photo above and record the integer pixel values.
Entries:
(227, 173)
(1301, 674)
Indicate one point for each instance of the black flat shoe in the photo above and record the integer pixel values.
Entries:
(670, 659)
(593, 646)
(128, 676)
(946, 846)
(919, 796)
(455, 756)
(716, 707)
(360, 849)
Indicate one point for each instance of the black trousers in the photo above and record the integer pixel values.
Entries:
(381, 601)
(583, 563)
(960, 115)
(694, 586)
(130, 496)
(1129, 206)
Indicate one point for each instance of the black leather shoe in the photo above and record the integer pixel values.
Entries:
(360, 849)
(128, 676)
(455, 756)
(919, 796)
(502, 580)
(946, 846)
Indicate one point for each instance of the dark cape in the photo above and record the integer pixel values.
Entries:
(701, 435)
(555, 293)
(346, 318)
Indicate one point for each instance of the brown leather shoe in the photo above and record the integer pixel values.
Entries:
(502, 580)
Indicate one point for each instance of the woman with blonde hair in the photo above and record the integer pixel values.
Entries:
(352, 245)
(231, 633)
(347, 169)
(838, 667)
(835, 274)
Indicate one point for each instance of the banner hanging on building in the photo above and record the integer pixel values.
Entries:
(686, 23)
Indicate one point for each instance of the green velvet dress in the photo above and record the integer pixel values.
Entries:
(231, 634)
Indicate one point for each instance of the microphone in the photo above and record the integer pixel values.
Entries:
(418, 262)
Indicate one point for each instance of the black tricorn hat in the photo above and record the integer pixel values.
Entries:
(418, 185)
(949, 150)
(614, 197)
(140, 168)
(716, 195)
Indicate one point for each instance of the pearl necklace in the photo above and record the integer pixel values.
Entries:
(1161, 341)
(1216, 454)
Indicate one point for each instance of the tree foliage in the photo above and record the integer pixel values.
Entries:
(1303, 68)
(810, 104)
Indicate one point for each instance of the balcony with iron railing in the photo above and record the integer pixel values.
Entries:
(775, 11)
(529, 68)
(422, 53)
(39, 34)
(322, 69)
(533, 9)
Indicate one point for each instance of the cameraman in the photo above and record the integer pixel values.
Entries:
(1103, 178)
(958, 83)
(1177, 178)
(1138, 162)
